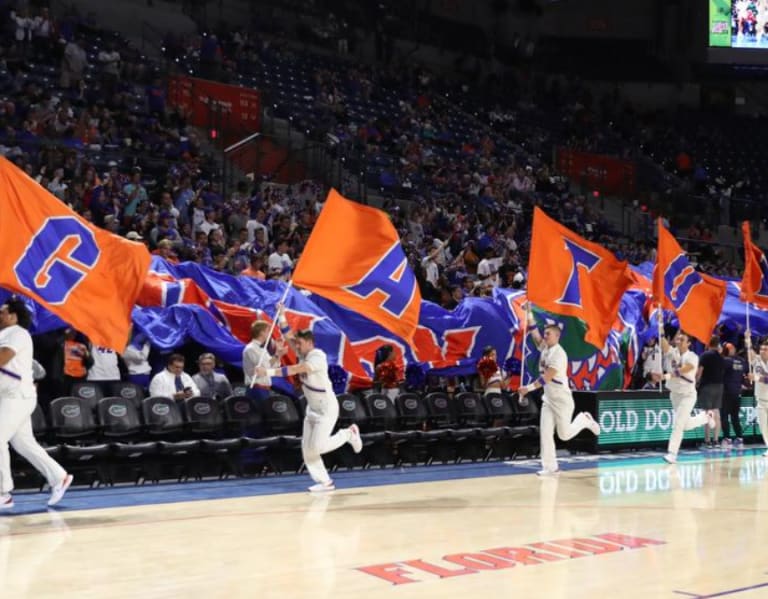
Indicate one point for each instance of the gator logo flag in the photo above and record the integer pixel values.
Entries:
(754, 282)
(695, 297)
(354, 258)
(571, 276)
(87, 276)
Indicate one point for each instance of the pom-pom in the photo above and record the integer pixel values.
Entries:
(339, 378)
(487, 367)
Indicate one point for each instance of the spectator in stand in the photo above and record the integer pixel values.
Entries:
(279, 264)
(173, 382)
(74, 64)
(256, 266)
(211, 384)
(105, 368)
(77, 361)
(136, 358)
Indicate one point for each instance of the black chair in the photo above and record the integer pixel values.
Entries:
(471, 413)
(127, 390)
(164, 421)
(444, 428)
(282, 418)
(23, 469)
(73, 423)
(204, 419)
(121, 426)
(89, 391)
(503, 413)
(243, 416)
(352, 410)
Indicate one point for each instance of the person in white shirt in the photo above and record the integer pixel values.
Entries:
(322, 406)
(279, 262)
(680, 379)
(173, 381)
(18, 398)
(557, 409)
(759, 375)
(105, 368)
(256, 353)
(136, 358)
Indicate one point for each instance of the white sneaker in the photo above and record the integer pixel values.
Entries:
(322, 487)
(593, 425)
(58, 491)
(765, 455)
(670, 458)
(354, 438)
(711, 419)
(6, 501)
(544, 473)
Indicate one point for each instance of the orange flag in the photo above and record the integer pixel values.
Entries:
(354, 258)
(754, 282)
(571, 276)
(696, 298)
(87, 276)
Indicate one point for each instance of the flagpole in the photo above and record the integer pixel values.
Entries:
(748, 341)
(523, 401)
(660, 330)
(272, 327)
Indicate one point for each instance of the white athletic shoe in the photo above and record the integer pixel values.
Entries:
(711, 419)
(58, 491)
(765, 455)
(593, 425)
(354, 438)
(322, 487)
(670, 458)
(6, 501)
(544, 473)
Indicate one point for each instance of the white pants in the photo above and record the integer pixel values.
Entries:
(556, 415)
(682, 406)
(762, 420)
(16, 429)
(317, 440)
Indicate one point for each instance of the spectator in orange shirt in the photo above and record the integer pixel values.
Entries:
(255, 269)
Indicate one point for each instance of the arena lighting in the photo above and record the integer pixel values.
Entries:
(596, 194)
(214, 134)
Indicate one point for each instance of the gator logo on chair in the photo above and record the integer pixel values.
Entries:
(202, 409)
(280, 407)
(241, 407)
(348, 405)
(70, 411)
(380, 404)
(160, 409)
(117, 411)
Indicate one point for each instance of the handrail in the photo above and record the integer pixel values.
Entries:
(242, 142)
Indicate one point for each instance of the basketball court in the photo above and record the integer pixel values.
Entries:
(618, 526)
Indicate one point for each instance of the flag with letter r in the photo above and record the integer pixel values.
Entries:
(695, 297)
(87, 276)
(354, 258)
(571, 276)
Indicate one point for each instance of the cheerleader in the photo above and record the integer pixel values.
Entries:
(492, 377)
(387, 373)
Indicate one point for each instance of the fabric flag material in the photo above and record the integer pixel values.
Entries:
(571, 276)
(87, 276)
(354, 258)
(695, 297)
(754, 282)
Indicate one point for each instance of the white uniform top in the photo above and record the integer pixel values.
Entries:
(104, 365)
(555, 357)
(252, 353)
(16, 374)
(761, 388)
(684, 384)
(317, 386)
(652, 361)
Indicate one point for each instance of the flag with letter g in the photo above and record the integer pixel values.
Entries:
(354, 258)
(754, 282)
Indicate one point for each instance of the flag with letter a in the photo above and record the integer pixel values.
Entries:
(87, 276)
(695, 297)
(754, 282)
(571, 276)
(354, 258)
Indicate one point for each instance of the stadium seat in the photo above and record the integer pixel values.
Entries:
(204, 419)
(121, 426)
(352, 410)
(127, 390)
(73, 423)
(164, 421)
(89, 391)
(282, 418)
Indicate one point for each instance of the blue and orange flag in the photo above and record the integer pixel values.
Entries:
(754, 282)
(354, 258)
(87, 276)
(571, 276)
(695, 297)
